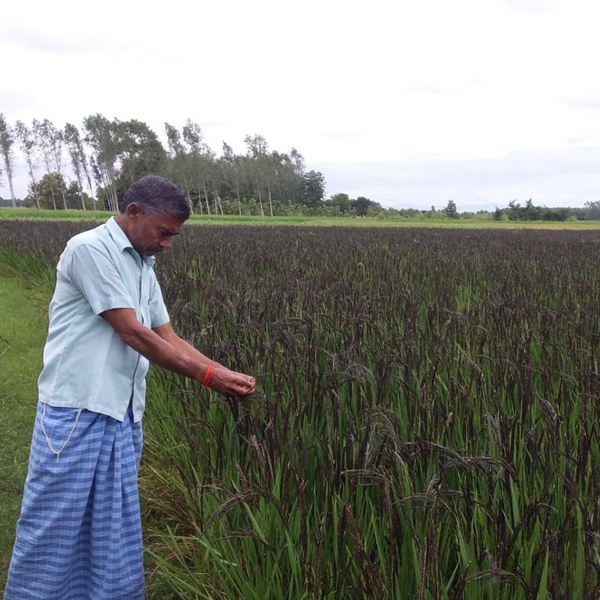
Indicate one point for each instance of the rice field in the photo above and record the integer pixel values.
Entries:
(425, 424)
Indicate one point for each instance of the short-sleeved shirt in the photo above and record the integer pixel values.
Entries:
(86, 365)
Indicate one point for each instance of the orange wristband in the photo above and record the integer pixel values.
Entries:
(208, 375)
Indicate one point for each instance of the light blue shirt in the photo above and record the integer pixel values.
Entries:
(86, 365)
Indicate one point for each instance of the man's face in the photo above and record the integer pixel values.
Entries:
(151, 234)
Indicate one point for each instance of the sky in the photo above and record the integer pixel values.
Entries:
(409, 103)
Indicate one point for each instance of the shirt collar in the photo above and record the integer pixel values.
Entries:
(122, 241)
(118, 235)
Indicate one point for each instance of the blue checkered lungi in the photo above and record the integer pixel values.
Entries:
(79, 535)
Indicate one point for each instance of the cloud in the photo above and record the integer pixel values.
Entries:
(552, 178)
(584, 102)
(583, 140)
(431, 104)
(31, 39)
(443, 90)
(532, 6)
(12, 101)
(339, 135)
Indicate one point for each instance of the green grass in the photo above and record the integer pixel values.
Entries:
(90, 215)
(22, 334)
(30, 214)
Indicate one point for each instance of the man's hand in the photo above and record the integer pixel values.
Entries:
(223, 381)
(230, 383)
(165, 348)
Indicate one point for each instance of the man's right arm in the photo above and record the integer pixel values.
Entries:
(162, 353)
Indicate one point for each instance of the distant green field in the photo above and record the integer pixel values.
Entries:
(79, 215)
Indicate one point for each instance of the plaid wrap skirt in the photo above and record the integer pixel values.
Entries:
(79, 535)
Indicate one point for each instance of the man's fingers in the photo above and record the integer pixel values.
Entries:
(246, 381)
(243, 390)
(235, 383)
(246, 387)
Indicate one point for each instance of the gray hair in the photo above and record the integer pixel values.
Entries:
(156, 195)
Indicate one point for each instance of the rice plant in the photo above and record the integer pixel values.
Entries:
(425, 424)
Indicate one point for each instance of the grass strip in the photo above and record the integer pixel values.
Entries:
(25, 214)
(22, 334)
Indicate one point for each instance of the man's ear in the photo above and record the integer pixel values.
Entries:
(134, 211)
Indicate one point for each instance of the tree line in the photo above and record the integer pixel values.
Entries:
(516, 211)
(107, 156)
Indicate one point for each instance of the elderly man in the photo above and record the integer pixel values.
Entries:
(79, 534)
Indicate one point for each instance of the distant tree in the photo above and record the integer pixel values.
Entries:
(214, 174)
(174, 143)
(73, 194)
(593, 210)
(77, 198)
(530, 212)
(313, 189)
(581, 214)
(342, 202)
(283, 176)
(202, 158)
(28, 147)
(361, 206)
(298, 162)
(7, 139)
(55, 141)
(139, 151)
(451, 211)
(46, 188)
(180, 163)
(50, 140)
(257, 151)
(299, 167)
(42, 137)
(232, 172)
(557, 214)
(103, 137)
(78, 158)
(514, 210)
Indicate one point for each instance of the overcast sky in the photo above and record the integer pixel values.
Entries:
(407, 102)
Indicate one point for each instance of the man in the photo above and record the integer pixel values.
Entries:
(79, 533)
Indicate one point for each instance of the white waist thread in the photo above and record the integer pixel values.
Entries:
(68, 438)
